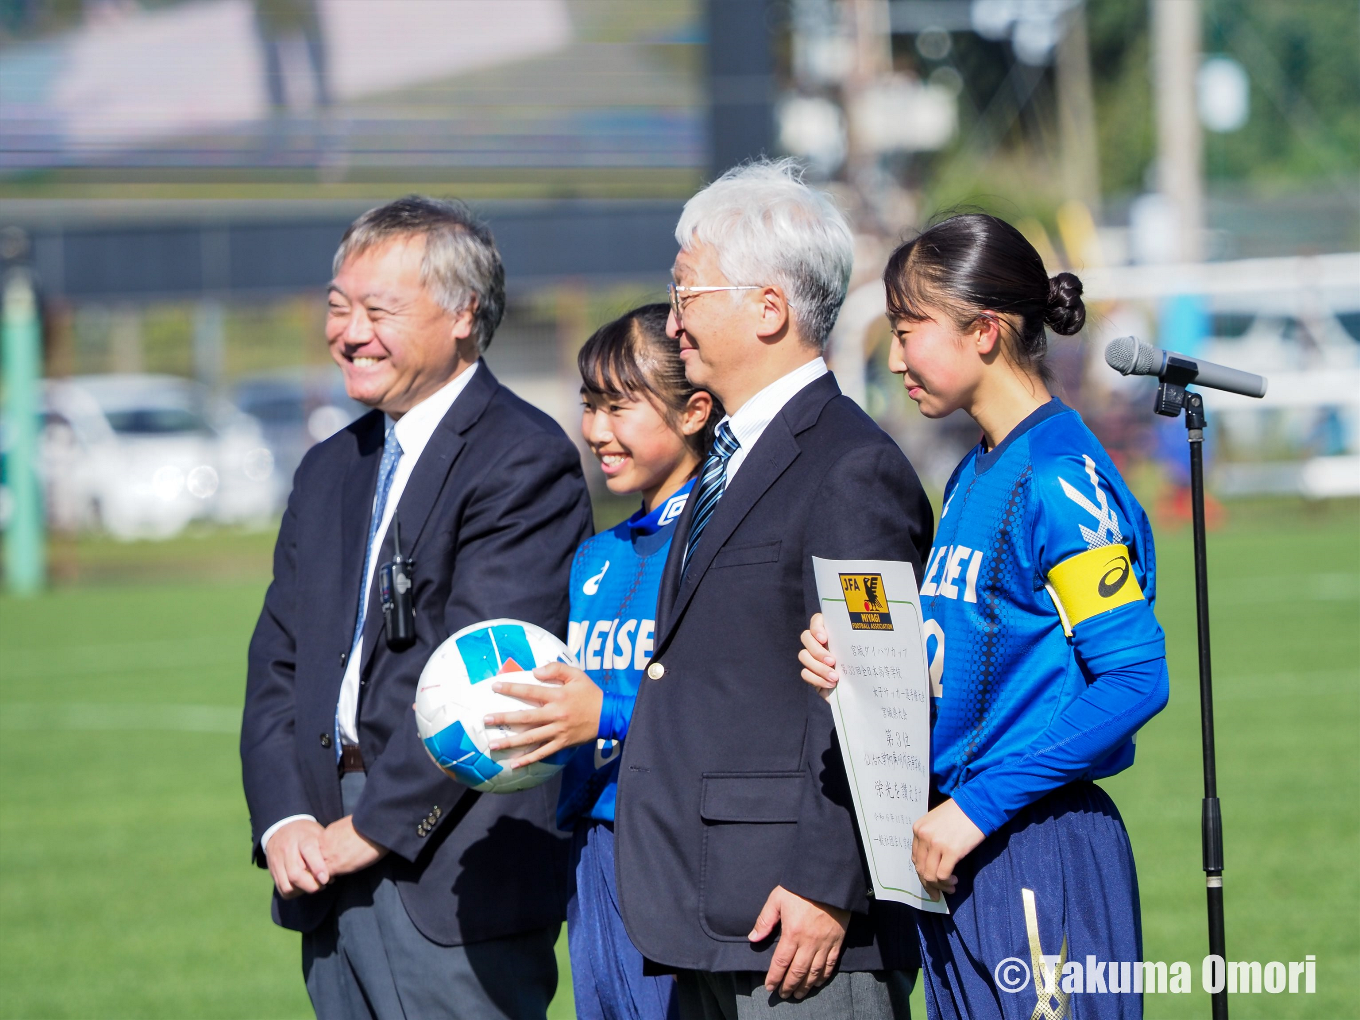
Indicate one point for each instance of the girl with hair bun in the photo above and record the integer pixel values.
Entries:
(1044, 655)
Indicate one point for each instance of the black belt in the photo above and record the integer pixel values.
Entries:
(351, 759)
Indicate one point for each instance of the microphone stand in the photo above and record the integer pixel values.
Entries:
(1172, 399)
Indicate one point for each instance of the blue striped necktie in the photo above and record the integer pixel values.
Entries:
(711, 485)
(387, 469)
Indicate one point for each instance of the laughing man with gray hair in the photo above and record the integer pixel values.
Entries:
(739, 864)
(415, 896)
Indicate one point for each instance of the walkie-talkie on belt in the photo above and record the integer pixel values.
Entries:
(394, 584)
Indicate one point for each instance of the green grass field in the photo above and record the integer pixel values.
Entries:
(125, 888)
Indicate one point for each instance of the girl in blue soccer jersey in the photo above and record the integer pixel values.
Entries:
(650, 430)
(1044, 654)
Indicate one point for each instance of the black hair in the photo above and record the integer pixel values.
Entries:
(633, 357)
(974, 263)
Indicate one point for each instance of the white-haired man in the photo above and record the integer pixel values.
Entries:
(739, 864)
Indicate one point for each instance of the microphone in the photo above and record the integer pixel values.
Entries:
(1128, 355)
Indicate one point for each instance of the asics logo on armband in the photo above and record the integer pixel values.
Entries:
(1114, 578)
(1093, 582)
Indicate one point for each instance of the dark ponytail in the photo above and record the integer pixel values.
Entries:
(975, 263)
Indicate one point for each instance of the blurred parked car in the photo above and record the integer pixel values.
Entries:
(296, 409)
(143, 455)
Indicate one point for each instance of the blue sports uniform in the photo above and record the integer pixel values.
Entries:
(1045, 658)
(614, 583)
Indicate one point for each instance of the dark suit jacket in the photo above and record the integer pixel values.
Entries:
(492, 515)
(731, 780)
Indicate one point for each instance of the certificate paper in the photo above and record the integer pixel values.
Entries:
(882, 711)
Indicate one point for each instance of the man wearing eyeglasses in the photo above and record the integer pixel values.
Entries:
(738, 858)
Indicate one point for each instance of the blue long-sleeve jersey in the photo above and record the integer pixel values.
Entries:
(1045, 656)
(614, 583)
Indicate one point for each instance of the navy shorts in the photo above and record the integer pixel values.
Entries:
(606, 968)
(1045, 913)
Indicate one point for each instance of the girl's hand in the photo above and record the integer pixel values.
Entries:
(568, 713)
(819, 665)
(942, 838)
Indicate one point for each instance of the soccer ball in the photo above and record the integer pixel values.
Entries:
(455, 694)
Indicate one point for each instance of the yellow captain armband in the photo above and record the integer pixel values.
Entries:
(1091, 583)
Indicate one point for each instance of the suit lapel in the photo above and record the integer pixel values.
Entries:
(356, 505)
(774, 451)
(424, 486)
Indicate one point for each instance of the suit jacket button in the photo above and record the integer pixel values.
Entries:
(325, 740)
(344, 658)
(438, 811)
(656, 671)
(421, 830)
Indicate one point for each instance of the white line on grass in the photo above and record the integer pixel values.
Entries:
(180, 718)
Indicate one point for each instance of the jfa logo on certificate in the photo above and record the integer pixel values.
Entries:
(867, 601)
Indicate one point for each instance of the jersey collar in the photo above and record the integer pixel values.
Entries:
(644, 523)
(986, 458)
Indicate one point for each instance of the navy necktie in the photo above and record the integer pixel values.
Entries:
(711, 485)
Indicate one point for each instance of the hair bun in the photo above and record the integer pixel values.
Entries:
(1066, 312)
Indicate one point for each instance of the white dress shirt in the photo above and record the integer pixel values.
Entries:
(414, 429)
(749, 421)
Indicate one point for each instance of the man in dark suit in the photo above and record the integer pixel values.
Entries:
(416, 896)
(739, 864)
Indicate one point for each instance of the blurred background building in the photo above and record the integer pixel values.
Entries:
(176, 174)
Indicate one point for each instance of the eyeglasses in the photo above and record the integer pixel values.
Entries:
(695, 292)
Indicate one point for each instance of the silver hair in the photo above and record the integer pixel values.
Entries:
(769, 228)
(461, 265)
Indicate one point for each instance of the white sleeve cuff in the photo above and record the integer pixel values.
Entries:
(269, 832)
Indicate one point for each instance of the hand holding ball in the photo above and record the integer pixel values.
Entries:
(455, 694)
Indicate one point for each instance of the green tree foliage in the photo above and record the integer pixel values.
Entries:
(1301, 58)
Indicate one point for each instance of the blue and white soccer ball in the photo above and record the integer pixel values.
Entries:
(455, 694)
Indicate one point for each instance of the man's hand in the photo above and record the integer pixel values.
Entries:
(345, 850)
(941, 838)
(295, 859)
(568, 713)
(810, 937)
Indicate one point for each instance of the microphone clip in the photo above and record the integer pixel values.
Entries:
(398, 605)
(1177, 373)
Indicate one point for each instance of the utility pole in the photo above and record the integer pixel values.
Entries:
(870, 28)
(1180, 142)
(1077, 135)
(1180, 168)
(25, 544)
